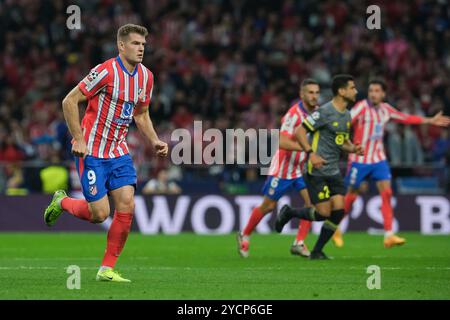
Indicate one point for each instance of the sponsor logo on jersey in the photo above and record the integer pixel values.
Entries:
(126, 114)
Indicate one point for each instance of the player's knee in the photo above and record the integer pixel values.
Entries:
(269, 207)
(126, 204)
(99, 218)
(100, 215)
(130, 207)
(324, 213)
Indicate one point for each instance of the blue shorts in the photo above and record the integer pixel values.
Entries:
(360, 171)
(99, 176)
(274, 188)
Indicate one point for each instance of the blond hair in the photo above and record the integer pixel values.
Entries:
(126, 29)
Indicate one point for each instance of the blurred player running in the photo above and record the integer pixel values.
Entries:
(369, 118)
(117, 91)
(330, 127)
(285, 171)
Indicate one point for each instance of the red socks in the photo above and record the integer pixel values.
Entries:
(118, 231)
(348, 202)
(303, 230)
(255, 218)
(257, 215)
(117, 236)
(77, 207)
(386, 208)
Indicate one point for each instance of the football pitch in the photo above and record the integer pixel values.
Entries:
(188, 266)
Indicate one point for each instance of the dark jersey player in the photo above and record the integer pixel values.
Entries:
(285, 173)
(330, 130)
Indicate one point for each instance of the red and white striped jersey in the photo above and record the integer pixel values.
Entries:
(289, 164)
(114, 96)
(368, 124)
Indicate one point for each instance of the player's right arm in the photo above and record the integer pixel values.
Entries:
(72, 116)
(97, 79)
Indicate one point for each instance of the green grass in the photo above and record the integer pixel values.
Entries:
(187, 266)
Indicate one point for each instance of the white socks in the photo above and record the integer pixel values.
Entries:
(388, 233)
(104, 268)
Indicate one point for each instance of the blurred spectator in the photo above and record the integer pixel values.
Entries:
(182, 117)
(10, 151)
(232, 63)
(15, 179)
(441, 148)
(161, 185)
(62, 135)
(55, 176)
(404, 147)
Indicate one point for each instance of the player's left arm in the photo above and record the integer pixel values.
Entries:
(350, 147)
(145, 126)
(288, 143)
(287, 137)
(437, 120)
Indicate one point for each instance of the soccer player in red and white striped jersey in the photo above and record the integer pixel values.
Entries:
(118, 91)
(369, 118)
(114, 95)
(285, 172)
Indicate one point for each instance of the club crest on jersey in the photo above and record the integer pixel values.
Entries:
(93, 190)
(141, 94)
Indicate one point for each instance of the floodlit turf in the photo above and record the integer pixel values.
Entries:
(187, 266)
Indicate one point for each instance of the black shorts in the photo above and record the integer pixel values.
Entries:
(321, 189)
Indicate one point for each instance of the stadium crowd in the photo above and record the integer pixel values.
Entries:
(231, 64)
